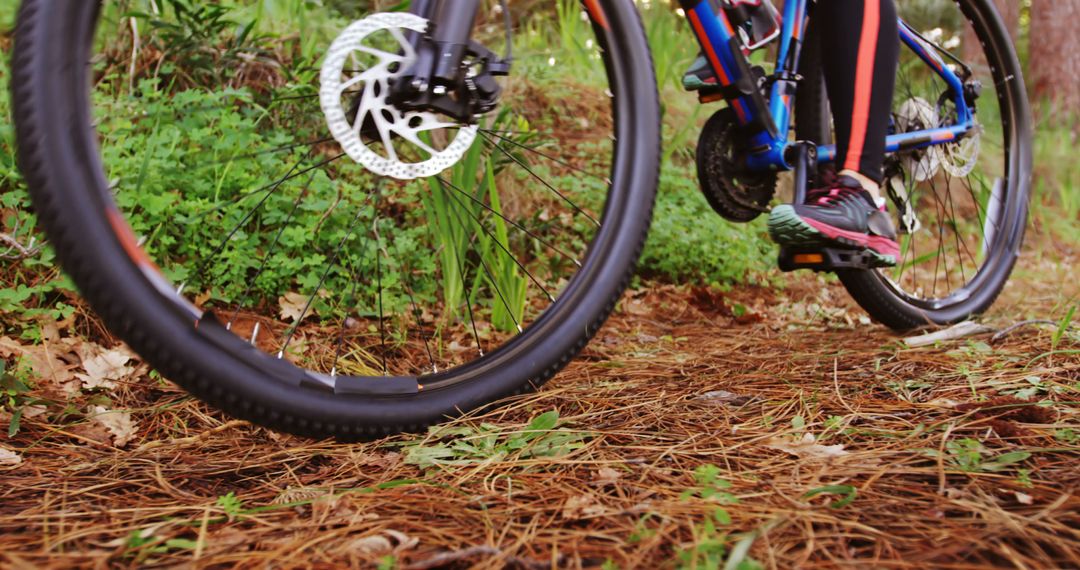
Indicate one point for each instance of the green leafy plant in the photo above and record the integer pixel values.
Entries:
(14, 389)
(200, 40)
(708, 548)
(449, 446)
(971, 456)
(847, 494)
(473, 240)
(1063, 327)
(142, 544)
(232, 506)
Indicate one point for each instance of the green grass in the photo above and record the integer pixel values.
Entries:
(688, 242)
(1056, 186)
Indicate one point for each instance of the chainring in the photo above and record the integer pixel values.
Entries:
(737, 195)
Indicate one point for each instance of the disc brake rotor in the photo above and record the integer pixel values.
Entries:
(959, 158)
(918, 114)
(344, 88)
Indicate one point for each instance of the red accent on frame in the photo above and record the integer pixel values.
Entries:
(710, 52)
(740, 110)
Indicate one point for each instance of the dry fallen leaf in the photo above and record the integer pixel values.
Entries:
(118, 423)
(606, 476)
(1024, 498)
(47, 361)
(298, 495)
(335, 509)
(723, 397)
(9, 458)
(807, 448)
(581, 506)
(374, 545)
(292, 306)
(33, 411)
(637, 307)
(380, 544)
(103, 370)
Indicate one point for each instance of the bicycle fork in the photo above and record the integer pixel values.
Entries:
(440, 78)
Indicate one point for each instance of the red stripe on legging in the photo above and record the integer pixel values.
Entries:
(864, 83)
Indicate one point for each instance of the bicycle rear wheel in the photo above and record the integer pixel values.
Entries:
(961, 208)
(346, 282)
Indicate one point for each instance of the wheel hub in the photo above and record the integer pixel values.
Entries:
(354, 102)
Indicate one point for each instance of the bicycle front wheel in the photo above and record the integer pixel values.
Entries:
(250, 212)
(961, 208)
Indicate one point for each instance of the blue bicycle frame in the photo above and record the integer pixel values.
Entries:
(770, 120)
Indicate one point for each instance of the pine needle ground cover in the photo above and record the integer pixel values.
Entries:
(768, 425)
(752, 428)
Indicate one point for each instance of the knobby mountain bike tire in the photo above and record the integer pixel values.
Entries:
(371, 378)
(971, 213)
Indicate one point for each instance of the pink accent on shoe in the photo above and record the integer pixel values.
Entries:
(882, 245)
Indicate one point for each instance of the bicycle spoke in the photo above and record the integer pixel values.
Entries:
(378, 278)
(271, 187)
(322, 280)
(559, 161)
(511, 256)
(516, 225)
(243, 221)
(540, 179)
(491, 276)
(418, 316)
(270, 252)
(465, 292)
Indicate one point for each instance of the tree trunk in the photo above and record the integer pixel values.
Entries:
(1054, 66)
(1010, 14)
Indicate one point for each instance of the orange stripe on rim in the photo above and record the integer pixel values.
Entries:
(128, 242)
(941, 137)
(597, 13)
(864, 83)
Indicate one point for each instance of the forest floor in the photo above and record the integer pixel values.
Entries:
(740, 429)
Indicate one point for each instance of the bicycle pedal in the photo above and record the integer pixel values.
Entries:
(826, 259)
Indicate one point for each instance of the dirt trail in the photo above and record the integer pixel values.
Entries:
(833, 445)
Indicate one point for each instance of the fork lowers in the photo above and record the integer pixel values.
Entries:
(453, 74)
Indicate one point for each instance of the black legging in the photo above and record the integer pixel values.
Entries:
(860, 45)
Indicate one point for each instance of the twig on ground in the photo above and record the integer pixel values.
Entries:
(193, 439)
(1009, 329)
(20, 251)
(957, 331)
(445, 558)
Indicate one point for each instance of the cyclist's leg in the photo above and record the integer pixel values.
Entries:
(860, 49)
(860, 45)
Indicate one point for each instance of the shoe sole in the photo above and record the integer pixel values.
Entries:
(788, 228)
(697, 84)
